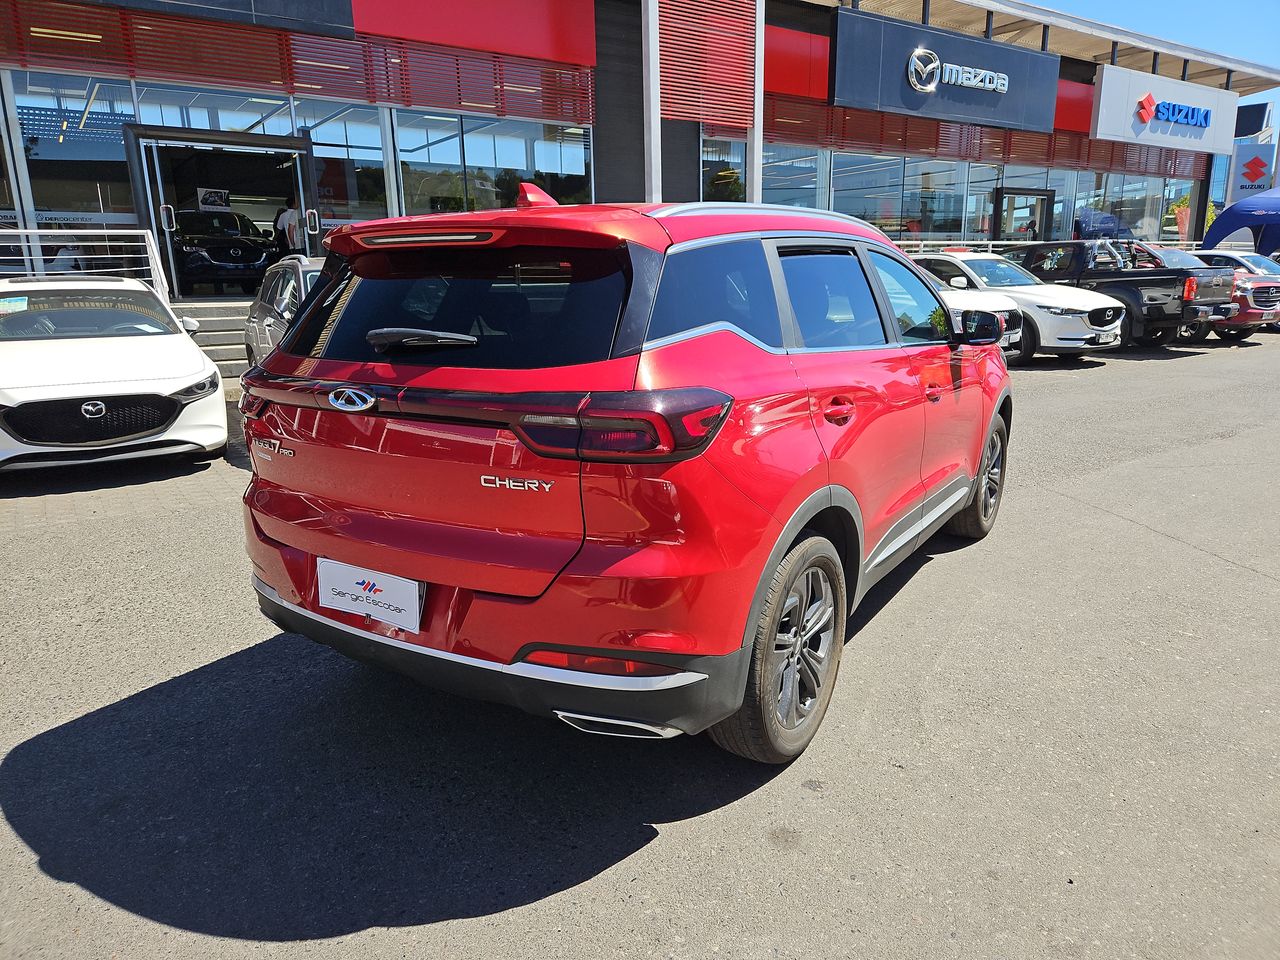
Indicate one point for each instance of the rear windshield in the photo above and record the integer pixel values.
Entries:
(86, 314)
(527, 307)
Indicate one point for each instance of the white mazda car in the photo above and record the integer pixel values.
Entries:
(98, 368)
(1065, 321)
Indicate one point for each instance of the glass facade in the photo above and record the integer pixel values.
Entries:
(73, 140)
(915, 198)
(71, 134)
(724, 170)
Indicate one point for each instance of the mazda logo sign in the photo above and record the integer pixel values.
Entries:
(236, 251)
(93, 409)
(924, 70)
(351, 400)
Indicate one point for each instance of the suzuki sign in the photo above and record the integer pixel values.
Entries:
(1252, 170)
(1143, 108)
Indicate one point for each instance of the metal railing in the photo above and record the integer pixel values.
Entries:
(81, 252)
(999, 246)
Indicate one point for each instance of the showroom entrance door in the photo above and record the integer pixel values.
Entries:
(1022, 215)
(213, 202)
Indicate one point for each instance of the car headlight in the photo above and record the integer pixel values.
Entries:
(201, 388)
(1062, 311)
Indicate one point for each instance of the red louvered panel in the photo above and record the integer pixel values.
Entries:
(50, 34)
(921, 136)
(1028, 148)
(707, 60)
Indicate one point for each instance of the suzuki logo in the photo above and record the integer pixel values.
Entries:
(351, 400)
(924, 70)
(93, 409)
(1255, 169)
(1146, 108)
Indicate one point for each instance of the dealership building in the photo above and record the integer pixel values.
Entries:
(944, 120)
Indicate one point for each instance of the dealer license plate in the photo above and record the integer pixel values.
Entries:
(379, 596)
(1107, 337)
(1268, 316)
(1010, 338)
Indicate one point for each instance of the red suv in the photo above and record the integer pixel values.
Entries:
(630, 466)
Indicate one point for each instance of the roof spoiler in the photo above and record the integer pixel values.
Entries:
(531, 195)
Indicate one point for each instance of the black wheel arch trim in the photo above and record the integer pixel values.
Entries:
(822, 499)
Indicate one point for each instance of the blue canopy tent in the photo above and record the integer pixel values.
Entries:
(1259, 214)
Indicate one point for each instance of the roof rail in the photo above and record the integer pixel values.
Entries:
(707, 207)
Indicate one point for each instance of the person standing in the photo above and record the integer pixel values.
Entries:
(288, 229)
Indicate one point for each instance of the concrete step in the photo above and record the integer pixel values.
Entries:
(219, 338)
(211, 308)
(230, 371)
(227, 352)
(220, 324)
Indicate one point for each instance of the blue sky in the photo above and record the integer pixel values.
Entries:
(1248, 29)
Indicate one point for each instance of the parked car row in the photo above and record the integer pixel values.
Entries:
(1077, 297)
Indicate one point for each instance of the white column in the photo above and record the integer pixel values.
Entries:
(755, 135)
(652, 102)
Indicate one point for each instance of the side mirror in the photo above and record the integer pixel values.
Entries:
(960, 283)
(190, 325)
(981, 328)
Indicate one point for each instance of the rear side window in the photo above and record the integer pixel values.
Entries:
(721, 283)
(527, 307)
(832, 301)
(944, 270)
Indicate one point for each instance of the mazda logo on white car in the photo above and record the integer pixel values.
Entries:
(93, 409)
(924, 70)
(351, 400)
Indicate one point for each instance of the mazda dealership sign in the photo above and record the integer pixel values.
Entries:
(879, 63)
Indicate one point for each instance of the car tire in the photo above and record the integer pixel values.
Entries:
(1273, 327)
(1028, 345)
(1234, 334)
(795, 657)
(1194, 332)
(976, 520)
(1157, 338)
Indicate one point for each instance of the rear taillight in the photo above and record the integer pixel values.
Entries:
(588, 663)
(1189, 288)
(637, 425)
(252, 405)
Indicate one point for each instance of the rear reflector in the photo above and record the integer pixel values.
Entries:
(414, 239)
(614, 666)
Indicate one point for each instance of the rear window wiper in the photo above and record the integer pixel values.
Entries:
(385, 339)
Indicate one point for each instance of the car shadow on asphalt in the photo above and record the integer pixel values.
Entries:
(879, 596)
(1048, 362)
(48, 481)
(285, 793)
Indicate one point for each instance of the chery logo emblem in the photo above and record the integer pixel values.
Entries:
(351, 400)
(1146, 108)
(93, 409)
(1255, 169)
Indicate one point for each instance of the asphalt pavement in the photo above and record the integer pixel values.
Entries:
(1061, 742)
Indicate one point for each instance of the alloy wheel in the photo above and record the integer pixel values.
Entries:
(992, 476)
(801, 662)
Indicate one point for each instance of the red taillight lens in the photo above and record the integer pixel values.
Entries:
(252, 405)
(614, 666)
(634, 426)
(1189, 288)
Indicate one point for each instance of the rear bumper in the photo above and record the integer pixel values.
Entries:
(707, 689)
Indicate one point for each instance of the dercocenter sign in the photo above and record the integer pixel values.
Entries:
(879, 63)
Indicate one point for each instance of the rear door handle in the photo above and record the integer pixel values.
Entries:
(840, 411)
(933, 392)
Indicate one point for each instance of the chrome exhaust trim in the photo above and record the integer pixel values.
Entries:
(610, 727)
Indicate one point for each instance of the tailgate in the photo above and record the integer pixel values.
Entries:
(404, 457)
(1213, 285)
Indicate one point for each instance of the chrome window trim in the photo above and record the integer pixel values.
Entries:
(528, 671)
(718, 327)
